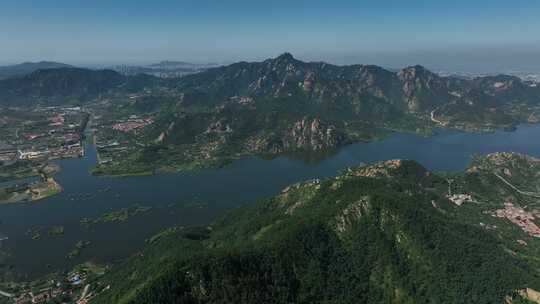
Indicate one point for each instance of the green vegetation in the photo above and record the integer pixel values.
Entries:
(56, 230)
(34, 233)
(284, 106)
(385, 233)
(18, 170)
(79, 246)
(28, 67)
(521, 300)
(82, 85)
(121, 215)
(278, 106)
(60, 287)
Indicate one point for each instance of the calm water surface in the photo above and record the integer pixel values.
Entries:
(195, 198)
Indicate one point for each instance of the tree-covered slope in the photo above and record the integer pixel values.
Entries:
(385, 233)
(280, 105)
(284, 105)
(411, 89)
(67, 85)
(29, 67)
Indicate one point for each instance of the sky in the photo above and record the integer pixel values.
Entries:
(442, 34)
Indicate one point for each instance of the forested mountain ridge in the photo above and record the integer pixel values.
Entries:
(357, 90)
(280, 105)
(29, 67)
(66, 85)
(284, 105)
(61, 83)
(391, 232)
(413, 89)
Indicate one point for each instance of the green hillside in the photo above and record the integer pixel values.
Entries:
(284, 105)
(385, 233)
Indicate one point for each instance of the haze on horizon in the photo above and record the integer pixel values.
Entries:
(454, 35)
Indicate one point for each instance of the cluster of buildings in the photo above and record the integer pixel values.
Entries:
(530, 77)
(243, 100)
(49, 134)
(115, 145)
(71, 146)
(42, 296)
(459, 199)
(520, 217)
(132, 123)
(69, 288)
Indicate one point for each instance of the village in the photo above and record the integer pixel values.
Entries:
(42, 133)
(70, 287)
(30, 140)
(520, 217)
(117, 137)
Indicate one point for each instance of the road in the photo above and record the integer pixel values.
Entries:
(6, 294)
(434, 119)
(85, 292)
(528, 193)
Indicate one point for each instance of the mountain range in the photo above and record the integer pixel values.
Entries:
(29, 67)
(282, 105)
(67, 85)
(359, 90)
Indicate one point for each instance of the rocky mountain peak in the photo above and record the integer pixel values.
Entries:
(285, 62)
(312, 134)
(414, 72)
(287, 57)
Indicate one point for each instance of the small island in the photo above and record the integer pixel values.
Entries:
(116, 216)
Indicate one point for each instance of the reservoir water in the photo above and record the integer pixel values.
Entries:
(197, 198)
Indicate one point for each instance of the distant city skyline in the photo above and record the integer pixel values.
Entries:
(458, 36)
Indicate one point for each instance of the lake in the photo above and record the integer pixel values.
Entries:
(197, 198)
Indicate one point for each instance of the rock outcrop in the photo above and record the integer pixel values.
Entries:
(312, 134)
(422, 89)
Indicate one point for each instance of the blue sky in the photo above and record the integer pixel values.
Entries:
(391, 33)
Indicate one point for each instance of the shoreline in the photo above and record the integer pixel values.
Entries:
(34, 192)
(443, 132)
(194, 167)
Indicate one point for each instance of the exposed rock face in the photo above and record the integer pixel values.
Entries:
(351, 214)
(422, 89)
(219, 127)
(530, 294)
(309, 79)
(312, 134)
(164, 134)
(262, 144)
